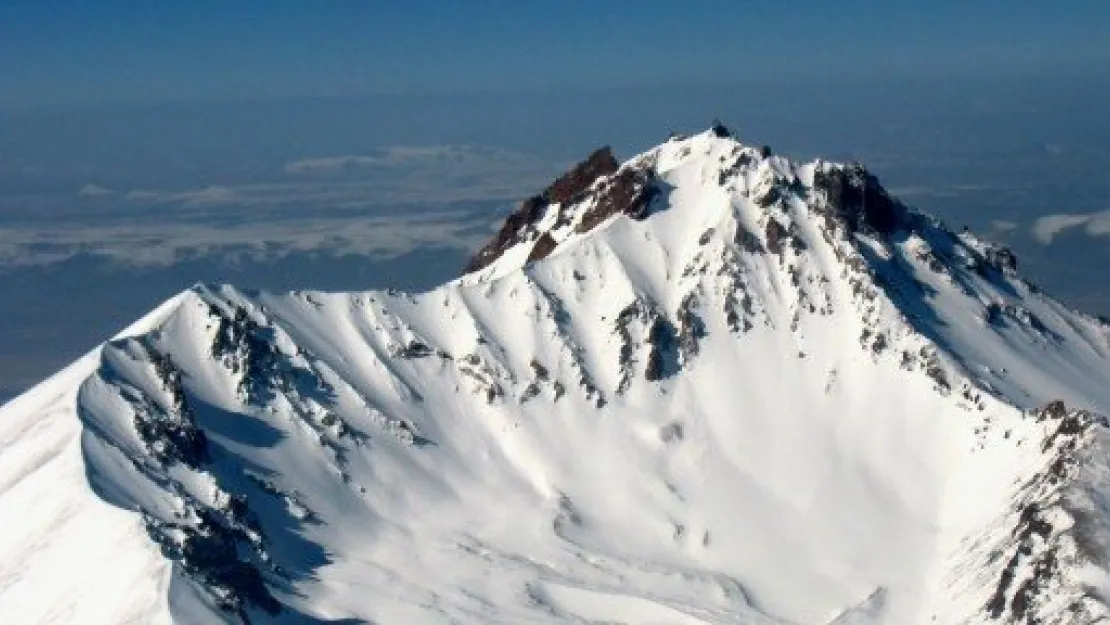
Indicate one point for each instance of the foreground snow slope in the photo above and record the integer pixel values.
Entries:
(707, 385)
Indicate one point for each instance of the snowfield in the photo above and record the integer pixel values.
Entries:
(703, 386)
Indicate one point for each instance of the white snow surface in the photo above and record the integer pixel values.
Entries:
(664, 421)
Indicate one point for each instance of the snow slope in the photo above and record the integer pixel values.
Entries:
(706, 385)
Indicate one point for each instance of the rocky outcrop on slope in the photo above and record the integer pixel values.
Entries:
(169, 432)
(589, 194)
(212, 533)
(519, 225)
(629, 192)
(854, 198)
(1055, 539)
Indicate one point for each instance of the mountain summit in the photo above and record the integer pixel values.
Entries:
(707, 385)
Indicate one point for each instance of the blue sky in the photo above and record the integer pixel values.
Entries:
(110, 50)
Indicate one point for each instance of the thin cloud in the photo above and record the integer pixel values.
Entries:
(330, 164)
(208, 196)
(950, 191)
(163, 244)
(92, 190)
(397, 200)
(390, 175)
(1047, 228)
(346, 194)
(444, 157)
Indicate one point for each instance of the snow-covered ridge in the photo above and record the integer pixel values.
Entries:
(705, 385)
(884, 249)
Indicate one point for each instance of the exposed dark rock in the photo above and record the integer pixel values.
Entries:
(747, 240)
(629, 192)
(738, 322)
(880, 344)
(170, 434)
(543, 247)
(1053, 410)
(691, 328)
(530, 392)
(519, 225)
(541, 374)
(1032, 571)
(661, 341)
(242, 345)
(484, 376)
(992, 314)
(209, 553)
(934, 371)
(172, 437)
(742, 161)
(415, 349)
(997, 603)
(576, 181)
(662, 361)
(249, 350)
(856, 199)
(775, 233)
(1032, 529)
(623, 323)
(932, 262)
(1070, 424)
(513, 231)
(1002, 258)
(720, 130)
(539, 370)
(770, 197)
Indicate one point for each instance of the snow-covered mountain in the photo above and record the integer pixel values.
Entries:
(705, 385)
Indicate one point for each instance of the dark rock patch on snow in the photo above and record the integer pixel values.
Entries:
(629, 192)
(855, 198)
(519, 226)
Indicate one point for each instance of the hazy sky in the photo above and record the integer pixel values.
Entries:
(112, 50)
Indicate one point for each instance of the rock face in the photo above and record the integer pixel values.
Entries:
(1056, 530)
(708, 384)
(591, 193)
(628, 193)
(856, 198)
(576, 181)
(566, 189)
